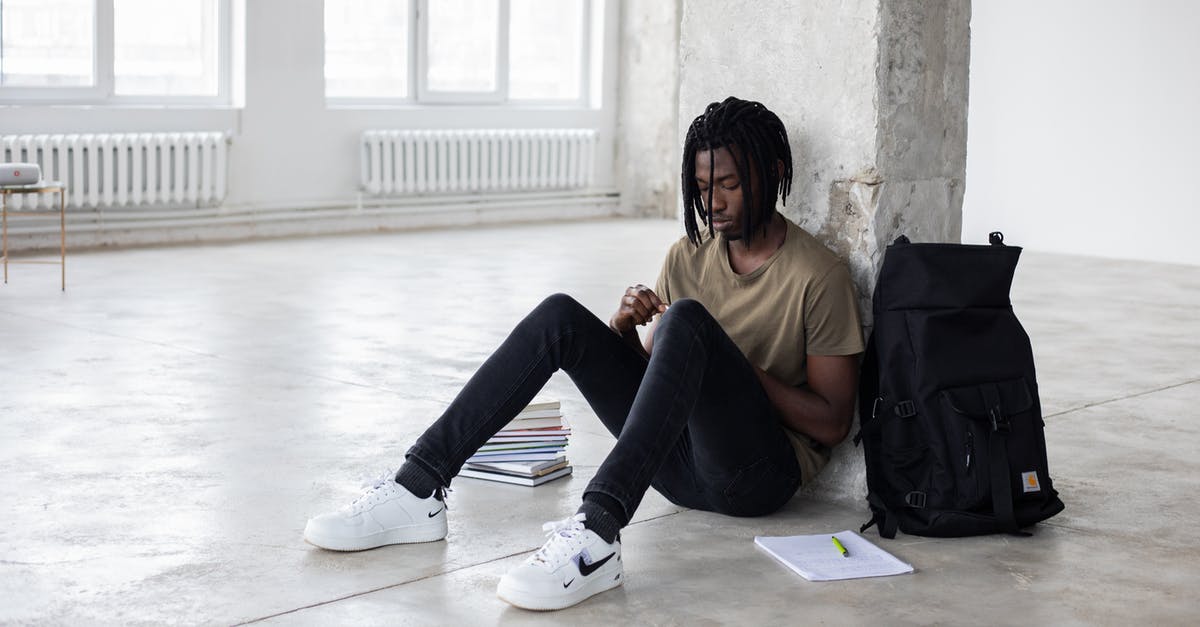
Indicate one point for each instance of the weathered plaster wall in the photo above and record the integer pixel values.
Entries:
(813, 64)
(916, 181)
(810, 62)
(921, 139)
(647, 167)
(874, 96)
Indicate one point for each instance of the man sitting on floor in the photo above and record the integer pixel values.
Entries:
(742, 386)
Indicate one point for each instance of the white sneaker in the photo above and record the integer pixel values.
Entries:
(573, 565)
(386, 513)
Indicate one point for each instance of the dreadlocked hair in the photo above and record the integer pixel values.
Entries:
(757, 140)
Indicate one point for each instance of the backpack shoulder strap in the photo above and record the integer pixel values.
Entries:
(879, 515)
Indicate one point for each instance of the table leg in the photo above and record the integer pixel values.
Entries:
(62, 225)
(4, 218)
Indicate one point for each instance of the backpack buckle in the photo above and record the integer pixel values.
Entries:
(1000, 422)
(906, 409)
(915, 499)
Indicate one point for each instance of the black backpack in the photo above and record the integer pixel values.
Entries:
(952, 428)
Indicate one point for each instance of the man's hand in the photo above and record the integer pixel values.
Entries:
(639, 305)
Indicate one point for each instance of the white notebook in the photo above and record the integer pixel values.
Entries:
(817, 559)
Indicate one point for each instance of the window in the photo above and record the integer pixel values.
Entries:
(47, 43)
(545, 50)
(460, 51)
(165, 48)
(461, 46)
(115, 51)
(362, 58)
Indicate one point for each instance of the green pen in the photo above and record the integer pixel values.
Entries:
(838, 544)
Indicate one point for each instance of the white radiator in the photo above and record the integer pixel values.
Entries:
(476, 160)
(102, 170)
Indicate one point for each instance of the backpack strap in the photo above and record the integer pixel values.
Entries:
(869, 424)
(1002, 498)
(879, 515)
(868, 380)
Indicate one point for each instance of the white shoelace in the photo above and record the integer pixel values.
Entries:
(377, 487)
(563, 540)
(373, 487)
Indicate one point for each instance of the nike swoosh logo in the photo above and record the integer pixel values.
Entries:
(432, 514)
(587, 569)
(566, 585)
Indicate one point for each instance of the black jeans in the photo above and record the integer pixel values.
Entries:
(693, 421)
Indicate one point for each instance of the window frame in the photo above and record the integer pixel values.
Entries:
(102, 92)
(419, 93)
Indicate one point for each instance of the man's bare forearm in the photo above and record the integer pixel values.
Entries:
(808, 412)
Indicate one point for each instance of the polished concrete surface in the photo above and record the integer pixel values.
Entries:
(172, 419)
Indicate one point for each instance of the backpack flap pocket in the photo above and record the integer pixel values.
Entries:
(1001, 408)
(975, 414)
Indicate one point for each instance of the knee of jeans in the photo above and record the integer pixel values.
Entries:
(686, 311)
(560, 305)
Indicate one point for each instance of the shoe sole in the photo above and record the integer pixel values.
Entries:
(526, 601)
(403, 535)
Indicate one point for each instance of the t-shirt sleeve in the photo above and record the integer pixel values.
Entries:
(831, 322)
(662, 287)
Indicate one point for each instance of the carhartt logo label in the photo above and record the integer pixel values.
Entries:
(1029, 482)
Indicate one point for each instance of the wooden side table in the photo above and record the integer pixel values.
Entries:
(35, 188)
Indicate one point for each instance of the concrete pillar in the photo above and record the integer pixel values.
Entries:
(874, 96)
(647, 165)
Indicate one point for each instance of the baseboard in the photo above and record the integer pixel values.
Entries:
(97, 229)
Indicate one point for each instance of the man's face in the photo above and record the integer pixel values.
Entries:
(727, 210)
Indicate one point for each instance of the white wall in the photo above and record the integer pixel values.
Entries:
(289, 149)
(1083, 127)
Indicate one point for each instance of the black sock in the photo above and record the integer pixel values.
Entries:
(605, 516)
(417, 479)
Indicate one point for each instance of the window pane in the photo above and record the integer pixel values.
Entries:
(165, 48)
(46, 43)
(545, 43)
(462, 45)
(366, 49)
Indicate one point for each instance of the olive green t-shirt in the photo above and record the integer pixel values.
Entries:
(800, 302)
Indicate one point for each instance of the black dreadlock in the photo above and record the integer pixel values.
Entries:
(757, 140)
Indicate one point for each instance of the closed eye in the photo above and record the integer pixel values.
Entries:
(729, 187)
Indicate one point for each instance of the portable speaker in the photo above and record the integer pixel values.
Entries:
(19, 173)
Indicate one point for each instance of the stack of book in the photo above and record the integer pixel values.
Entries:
(530, 450)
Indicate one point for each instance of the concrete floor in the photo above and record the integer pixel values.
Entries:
(170, 422)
